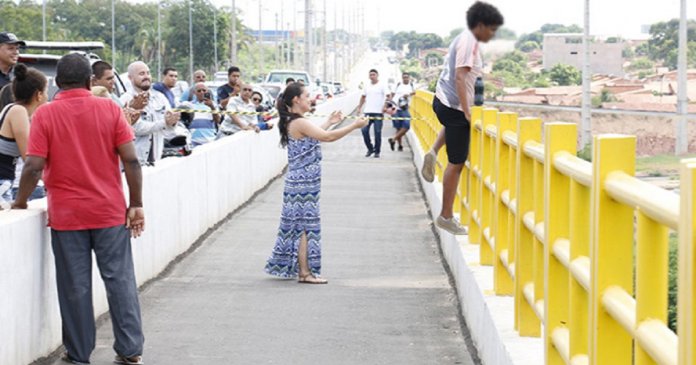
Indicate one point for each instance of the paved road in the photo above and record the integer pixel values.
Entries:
(388, 300)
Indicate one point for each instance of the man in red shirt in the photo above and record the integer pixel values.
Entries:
(76, 142)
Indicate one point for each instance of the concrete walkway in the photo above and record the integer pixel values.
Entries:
(388, 300)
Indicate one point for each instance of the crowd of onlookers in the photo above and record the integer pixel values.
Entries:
(159, 119)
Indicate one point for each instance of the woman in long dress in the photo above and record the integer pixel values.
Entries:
(297, 251)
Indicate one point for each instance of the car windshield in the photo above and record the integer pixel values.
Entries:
(280, 77)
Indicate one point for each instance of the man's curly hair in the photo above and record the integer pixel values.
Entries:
(483, 13)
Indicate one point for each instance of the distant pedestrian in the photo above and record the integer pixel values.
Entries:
(454, 97)
(403, 92)
(77, 141)
(297, 250)
(373, 97)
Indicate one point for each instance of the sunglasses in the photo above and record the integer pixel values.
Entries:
(247, 90)
(255, 99)
(201, 91)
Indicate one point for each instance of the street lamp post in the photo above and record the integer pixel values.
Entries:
(215, 37)
(233, 48)
(309, 47)
(159, 39)
(682, 145)
(261, 56)
(190, 42)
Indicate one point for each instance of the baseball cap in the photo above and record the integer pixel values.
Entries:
(10, 38)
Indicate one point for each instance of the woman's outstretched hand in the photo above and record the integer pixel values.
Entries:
(336, 117)
(361, 122)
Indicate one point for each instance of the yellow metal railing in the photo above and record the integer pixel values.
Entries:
(582, 247)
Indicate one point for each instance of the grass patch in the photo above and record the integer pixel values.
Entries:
(672, 285)
(659, 165)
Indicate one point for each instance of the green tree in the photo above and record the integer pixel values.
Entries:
(505, 33)
(538, 36)
(641, 64)
(672, 58)
(664, 37)
(529, 46)
(564, 75)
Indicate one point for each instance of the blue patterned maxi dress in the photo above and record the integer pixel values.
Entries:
(300, 210)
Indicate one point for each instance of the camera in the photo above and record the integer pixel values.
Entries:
(207, 95)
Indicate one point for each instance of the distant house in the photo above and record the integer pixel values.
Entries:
(566, 48)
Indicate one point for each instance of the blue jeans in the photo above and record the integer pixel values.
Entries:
(378, 132)
(402, 123)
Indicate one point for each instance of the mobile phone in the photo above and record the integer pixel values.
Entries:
(207, 95)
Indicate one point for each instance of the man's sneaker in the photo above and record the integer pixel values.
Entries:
(451, 226)
(377, 155)
(401, 148)
(391, 143)
(369, 153)
(428, 170)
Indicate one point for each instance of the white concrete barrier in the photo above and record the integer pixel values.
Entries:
(489, 318)
(183, 198)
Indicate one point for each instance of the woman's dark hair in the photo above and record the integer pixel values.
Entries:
(27, 82)
(483, 13)
(284, 103)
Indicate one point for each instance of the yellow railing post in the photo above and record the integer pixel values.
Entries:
(558, 137)
(611, 249)
(579, 253)
(503, 284)
(687, 265)
(528, 129)
(475, 181)
(490, 117)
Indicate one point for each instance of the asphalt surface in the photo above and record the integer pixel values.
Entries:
(388, 300)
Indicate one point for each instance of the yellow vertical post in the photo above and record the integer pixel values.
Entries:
(475, 182)
(686, 326)
(538, 250)
(652, 259)
(464, 195)
(611, 248)
(490, 117)
(512, 218)
(528, 129)
(579, 250)
(558, 137)
(503, 284)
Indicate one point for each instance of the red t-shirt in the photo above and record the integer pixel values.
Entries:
(78, 135)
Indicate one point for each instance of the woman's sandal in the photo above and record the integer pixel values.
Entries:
(311, 279)
(134, 360)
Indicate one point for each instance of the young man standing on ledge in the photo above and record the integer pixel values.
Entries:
(454, 97)
(77, 141)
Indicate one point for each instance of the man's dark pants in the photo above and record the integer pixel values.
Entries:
(73, 257)
(377, 120)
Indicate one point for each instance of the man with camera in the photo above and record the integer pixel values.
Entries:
(156, 119)
(402, 95)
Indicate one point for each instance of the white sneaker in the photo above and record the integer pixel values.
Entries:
(451, 226)
(428, 170)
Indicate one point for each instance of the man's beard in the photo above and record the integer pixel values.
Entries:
(144, 87)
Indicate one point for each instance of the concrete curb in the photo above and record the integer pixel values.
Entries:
(490, 318)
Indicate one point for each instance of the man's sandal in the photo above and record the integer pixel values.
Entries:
(133, 360)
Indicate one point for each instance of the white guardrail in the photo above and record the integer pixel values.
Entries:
(183, 198)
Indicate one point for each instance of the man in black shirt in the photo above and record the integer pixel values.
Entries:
(227, 91)
(9, 54)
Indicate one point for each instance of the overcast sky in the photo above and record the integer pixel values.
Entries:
(608, 17)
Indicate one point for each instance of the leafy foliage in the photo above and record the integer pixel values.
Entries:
(565, 75)
(538, 36)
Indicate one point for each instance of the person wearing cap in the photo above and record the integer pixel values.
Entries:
(9, 54)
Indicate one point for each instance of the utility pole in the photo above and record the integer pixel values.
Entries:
(233, 48)
(190, 42)
(261, 56)
(309, 46)
(324, 47)
(586, 124)
(159, 38)
(295, 51)
(287, 46)
(335, 45)
(277, 48)
(682, 145)
(113, 34)
(215, 38)
(43, 21)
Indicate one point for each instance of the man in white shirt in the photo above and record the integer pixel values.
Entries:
(373, 98)
(234, 123)
(454, 96)
(156, 119)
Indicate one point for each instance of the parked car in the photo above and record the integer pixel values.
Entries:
(46, 63)
(220, 77)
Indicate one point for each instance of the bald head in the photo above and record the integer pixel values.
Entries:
(199, 76)
(139, 74)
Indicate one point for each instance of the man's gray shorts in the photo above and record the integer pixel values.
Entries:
(73, 255)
